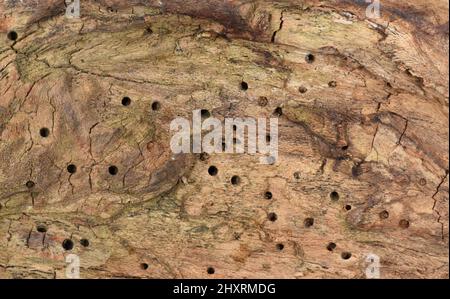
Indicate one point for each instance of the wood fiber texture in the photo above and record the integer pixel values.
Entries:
(363, 139)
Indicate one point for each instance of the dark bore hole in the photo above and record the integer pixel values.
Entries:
(278, 111)
(268, 138)
(156, 106)
(404, 223)
(332, 84)
(309, 58)
(384, 215)
(84, 242)
(41, 228)
(67, 244)
(344, 148)
(12, 35)
(346, 255)
(44, 132)
(331, 246)
(235, 180)
(210, 270)
(72, 168)
(144, 266)
(348, 207)
(309, 222)
(30, 184)
(268, 195)
(126, 101)
(213, 171)
(280, 247)
(113, 170)
(334, 196)
(302, 89)
(205, 113)
(272, 217)
(297, 175)
(244, 85)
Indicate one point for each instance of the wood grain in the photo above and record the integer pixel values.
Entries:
(363, 145)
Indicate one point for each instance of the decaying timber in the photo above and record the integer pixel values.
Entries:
(363, 147)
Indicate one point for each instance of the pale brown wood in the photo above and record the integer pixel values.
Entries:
(364, 139)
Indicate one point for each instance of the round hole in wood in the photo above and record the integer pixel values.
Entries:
(213, 171)
(12, 35)
(272, 217)
(44, 132)
(309, 58)
(41, 228)
(346, 255)
(384, 214)
(67, 244)
(334, 196)
(126, 101)
(113, 170)
(30, 184)
(235, 180)
(331, 246)
(84, 242)
(404, 223)
(156, 106)
(71, 168)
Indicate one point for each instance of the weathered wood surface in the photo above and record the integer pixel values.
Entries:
(367, 119)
